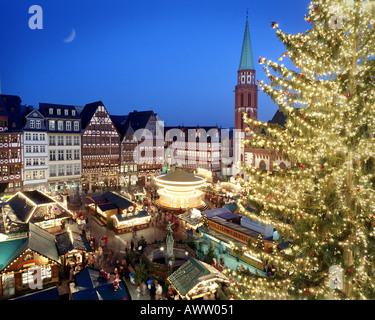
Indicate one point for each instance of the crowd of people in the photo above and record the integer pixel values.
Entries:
(103, 256)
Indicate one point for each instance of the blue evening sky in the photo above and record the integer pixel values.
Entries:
(179, 58)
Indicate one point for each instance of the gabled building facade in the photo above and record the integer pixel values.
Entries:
(100, 148)
(195, 148)
(11, 125)
(63, 125)
(142, 147)
(35, 152)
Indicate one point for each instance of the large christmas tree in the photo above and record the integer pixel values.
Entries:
(323, 204)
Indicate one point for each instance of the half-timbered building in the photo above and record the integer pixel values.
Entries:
(142, 147)
(100, 149)
(11, 123)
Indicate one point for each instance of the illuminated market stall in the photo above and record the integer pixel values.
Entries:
(36, 249)
(180, 189)
(127, 221)
(109, 204)
(196, 279)
(33, 206)
(191, 219)
(72, 247)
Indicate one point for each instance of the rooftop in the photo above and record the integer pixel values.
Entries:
(180, 176)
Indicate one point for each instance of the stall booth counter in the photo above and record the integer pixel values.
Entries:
(126, 222)
(19, 256)
(73, 248)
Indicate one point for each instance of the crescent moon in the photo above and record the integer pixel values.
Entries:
(71, 37)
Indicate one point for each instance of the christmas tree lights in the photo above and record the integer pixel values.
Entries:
(324, 202)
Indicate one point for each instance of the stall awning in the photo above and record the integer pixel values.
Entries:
(87, 200)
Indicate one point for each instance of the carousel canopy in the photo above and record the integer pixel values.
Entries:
(180, 176)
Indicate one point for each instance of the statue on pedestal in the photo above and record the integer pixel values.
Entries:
(170, 242)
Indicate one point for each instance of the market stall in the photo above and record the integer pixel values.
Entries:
(196, 279)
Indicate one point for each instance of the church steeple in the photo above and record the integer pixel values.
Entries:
(246, 91)
(246, 61)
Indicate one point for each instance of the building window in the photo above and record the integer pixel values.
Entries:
(76, 140)
(60, 155)
(76, 155)
(28, 136)
(42, 161)
(69, 169)
(61, 170)
(58, 112)
(38, 124)
(42, 137)
(35, 162)
(77, 169)
(76, 126)
(52, 124)
(69, 154)
(35, 149)
(73, 112)
(60, 125)
(52, 171)
(68, 125)
(68, 140)
(66, 112)
(42, 174)
(35, 137)
(28, 149)
(52, 141)
(42, 148)
(52, 155)
(28, 162)
(60, 140)
(50, 111)
(28, 176)
(35, 175)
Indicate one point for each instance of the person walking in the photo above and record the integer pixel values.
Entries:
(159, 290)
(152, 291)
(132, 245)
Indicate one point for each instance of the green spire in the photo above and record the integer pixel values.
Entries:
(247, 61)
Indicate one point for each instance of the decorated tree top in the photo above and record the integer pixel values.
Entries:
(324, 202)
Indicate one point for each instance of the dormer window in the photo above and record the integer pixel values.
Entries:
(58, 111)
(66, 112)
(50, 110)
(73, 112)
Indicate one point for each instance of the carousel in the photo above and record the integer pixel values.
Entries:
(180, 189)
